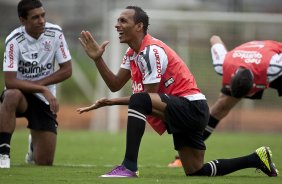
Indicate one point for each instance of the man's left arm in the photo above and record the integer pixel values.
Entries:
(63, 58)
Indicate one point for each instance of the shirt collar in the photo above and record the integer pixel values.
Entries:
(30, 38)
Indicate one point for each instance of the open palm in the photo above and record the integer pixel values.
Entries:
(91, 47)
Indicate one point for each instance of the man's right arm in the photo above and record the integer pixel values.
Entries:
(95, 51)
(218, 52)
(114, 81)
(11, 82)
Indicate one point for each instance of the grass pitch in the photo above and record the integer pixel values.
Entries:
(82, 156)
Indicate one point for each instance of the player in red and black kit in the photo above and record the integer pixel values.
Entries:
(246, 72)
(166, 95)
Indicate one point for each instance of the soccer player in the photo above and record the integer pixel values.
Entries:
(246, 72)
(36, 58)
(166, 95)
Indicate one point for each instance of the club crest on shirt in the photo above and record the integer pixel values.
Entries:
(47, 45)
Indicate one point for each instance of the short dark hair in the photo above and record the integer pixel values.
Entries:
(140, 16)
(25, 6)
(242, 82)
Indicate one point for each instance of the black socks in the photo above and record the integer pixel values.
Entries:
(222, 167)
(5, 139)
(210, 127)
(139, 106)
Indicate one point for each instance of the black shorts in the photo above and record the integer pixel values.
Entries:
(38, 114)
(186, 121)
(276, 84)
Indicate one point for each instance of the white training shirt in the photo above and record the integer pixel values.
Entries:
(34, 59)
(218, 55)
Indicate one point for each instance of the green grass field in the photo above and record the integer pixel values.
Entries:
(82, 156)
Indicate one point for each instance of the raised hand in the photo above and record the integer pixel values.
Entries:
(91, 47)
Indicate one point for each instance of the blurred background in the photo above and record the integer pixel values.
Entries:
(184, 25)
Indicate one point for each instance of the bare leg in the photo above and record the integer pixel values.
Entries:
(13, 102)
(44, 146)
(192, 159)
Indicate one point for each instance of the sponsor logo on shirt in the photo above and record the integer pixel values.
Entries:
(11, 55)
(137, 87)
(49, 33)
(33, 69)
(62, 48)
(158, 63)
(169, 82)
(248, 56)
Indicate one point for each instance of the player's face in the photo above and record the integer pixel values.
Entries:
(35, 22)
(126, 26)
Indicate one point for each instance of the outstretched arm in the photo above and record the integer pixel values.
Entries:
(104, 102)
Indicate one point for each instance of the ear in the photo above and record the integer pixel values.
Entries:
(22, 20)
(140, 26)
